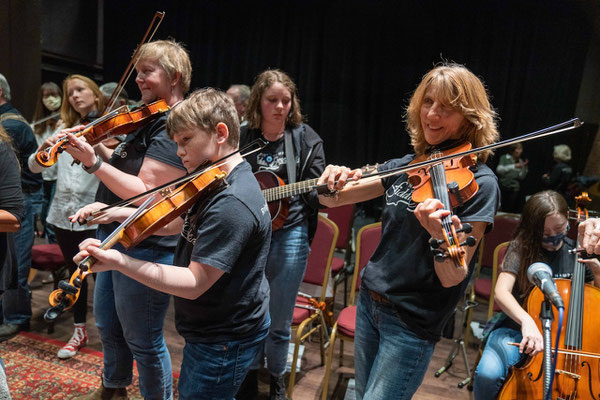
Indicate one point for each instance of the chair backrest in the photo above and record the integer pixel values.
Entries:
(318, 266)
(504, 226)
(498, 257)
(343, 216)
(367, 240)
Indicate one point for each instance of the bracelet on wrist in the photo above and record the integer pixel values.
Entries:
(94, 167)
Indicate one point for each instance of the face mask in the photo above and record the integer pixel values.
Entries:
(554, 240)
(51, 102)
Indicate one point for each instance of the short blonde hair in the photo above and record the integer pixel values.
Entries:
(173, 59)
(562, 152)
(204, 109)
(67, 112)
(459, 88)
(264, 81)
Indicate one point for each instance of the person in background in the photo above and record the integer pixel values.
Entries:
(511, 170)
(16, 303)
(107, 90)
(240, 95)
(407, 294)
(45, 118)
(560, 175)
(82, 103)
(129, 315)
(539, 237)
(11, 213)
(293, 147)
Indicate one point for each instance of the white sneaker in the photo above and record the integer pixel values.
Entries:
(77, 341)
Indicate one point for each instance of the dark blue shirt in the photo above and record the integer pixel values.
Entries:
(231, 231)
(24, 144)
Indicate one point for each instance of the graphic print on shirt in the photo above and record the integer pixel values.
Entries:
(400, 193)
(188, 232)
(269, 161)
(120, 150)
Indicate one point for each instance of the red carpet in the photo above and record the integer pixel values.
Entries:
(34, 372)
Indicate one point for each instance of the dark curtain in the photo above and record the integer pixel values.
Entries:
(356, 63)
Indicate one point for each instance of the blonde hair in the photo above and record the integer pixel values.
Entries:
(264, 81)
(562, 152)
(204, 109)
(459, 88)
(67, 112)
(173, 59)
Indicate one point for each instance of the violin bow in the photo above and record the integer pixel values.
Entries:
(158, 15)
(246, 151)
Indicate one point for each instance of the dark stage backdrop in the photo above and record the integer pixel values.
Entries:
(356, 63)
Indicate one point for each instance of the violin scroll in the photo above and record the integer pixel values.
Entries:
(454, 251)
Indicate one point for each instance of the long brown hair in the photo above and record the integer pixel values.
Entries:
(67, 112)
(42, 112)
(264, 81)
(528, 234)
(463, 91)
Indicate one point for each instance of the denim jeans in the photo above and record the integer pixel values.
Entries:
(16, 303)
(389, 359)
(130, 317)
(216, 370)
(496, 359)
(285, 269)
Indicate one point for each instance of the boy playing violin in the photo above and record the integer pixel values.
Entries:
(222, 295)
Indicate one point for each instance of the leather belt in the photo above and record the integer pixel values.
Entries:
(379, 298)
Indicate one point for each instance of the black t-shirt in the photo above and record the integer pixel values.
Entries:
(149, 141)
(273, 158)
(560, 261)
(402, 267)
(231, 232)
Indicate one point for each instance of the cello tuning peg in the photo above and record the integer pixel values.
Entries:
(470, 241)
(466, 228)
(435, 243)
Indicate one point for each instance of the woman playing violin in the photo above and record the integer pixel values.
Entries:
(222, 295)
(82, 103)
(407, 296)
(130, 315)
(539, 237)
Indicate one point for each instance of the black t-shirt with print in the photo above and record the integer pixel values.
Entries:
(231, 232)
(149, 141)
(402, 267)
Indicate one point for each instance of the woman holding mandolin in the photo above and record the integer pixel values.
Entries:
(274, 114)
(407, 293)
(129, 315)
(539, 237)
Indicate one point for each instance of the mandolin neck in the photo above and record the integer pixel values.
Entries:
(292, 189)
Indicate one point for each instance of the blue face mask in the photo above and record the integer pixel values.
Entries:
(555, 240)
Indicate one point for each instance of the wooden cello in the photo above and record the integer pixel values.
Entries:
(577, 374)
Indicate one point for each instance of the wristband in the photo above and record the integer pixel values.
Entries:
(94, 167)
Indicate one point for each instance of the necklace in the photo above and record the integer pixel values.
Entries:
(272, 138)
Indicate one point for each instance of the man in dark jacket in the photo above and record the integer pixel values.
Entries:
(16, 303)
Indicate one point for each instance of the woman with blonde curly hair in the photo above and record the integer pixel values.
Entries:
(407, 295)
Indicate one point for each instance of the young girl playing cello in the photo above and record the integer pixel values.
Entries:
(539, 237)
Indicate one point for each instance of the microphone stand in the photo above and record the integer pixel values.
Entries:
(547, 317)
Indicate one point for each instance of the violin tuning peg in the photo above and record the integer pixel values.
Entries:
(67, 287)
(466, 228)
(439, 255)
(471, 241)
(435, 243)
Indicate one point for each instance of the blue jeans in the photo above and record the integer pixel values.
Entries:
(130, 317)
(216, 370)
(285, 269)
(389, 359)
(495, 361)
(16, 303)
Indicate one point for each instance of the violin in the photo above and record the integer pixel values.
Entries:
(431, 182)
(140, 225)
(118, 122)
(577, 374)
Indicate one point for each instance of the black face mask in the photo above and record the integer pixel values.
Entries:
(556, 239)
